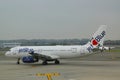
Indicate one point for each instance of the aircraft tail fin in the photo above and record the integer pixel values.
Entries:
(98, 37)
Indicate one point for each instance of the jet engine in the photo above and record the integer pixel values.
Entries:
(29, 59)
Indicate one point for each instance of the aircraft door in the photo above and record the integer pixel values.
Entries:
(74, 50)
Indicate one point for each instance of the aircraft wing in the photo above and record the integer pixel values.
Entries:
(44, 56)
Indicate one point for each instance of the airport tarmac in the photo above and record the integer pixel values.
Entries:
(105, 66)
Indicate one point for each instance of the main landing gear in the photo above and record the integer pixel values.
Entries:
(46, 62)
(57, 61)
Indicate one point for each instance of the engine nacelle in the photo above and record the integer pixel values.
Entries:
(29, 59)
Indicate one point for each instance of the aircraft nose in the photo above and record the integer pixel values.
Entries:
(7, 53)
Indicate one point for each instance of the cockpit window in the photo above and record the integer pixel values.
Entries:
(12, 49)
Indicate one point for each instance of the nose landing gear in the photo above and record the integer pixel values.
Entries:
(18, 61)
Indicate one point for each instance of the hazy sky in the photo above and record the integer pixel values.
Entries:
(58, 19)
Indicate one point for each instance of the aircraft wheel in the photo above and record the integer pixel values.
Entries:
(57, 62)
(18, 62)
(44, 63)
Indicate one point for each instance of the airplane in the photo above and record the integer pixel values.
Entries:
(32, 54)
(106, 48)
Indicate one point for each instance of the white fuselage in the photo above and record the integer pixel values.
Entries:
(55, 51)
